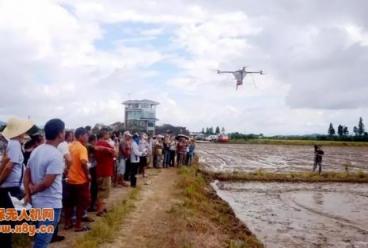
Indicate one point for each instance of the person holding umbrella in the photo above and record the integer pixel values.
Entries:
(12, 168)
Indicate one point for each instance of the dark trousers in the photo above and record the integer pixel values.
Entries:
(56, 231)
(155, 161)
(128, 167)
(319, 164)
(166, 161)
(172, 158)
(189, 158)
(93, 189)
(5, 202)
(142, 164)
(133, 174)
(180, 158)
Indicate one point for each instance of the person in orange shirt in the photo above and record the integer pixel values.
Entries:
(78, 181)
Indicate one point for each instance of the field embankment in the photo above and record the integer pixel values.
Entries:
(307, 177)
(207, 220)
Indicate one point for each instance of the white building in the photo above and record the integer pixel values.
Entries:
(140, 115)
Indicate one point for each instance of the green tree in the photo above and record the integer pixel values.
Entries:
(222, 130)
(345, 131)
(331, 130)
(355, 130)
(210, 130)
(361, 128)
(340, 130)
(217, 130)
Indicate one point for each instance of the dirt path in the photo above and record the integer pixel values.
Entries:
(71, 236)
(149, 224)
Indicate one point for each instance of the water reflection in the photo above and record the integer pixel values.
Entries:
(301, 215)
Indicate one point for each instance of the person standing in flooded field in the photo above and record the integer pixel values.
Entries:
(318, 154)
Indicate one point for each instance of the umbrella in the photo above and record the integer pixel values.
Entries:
(182, 136)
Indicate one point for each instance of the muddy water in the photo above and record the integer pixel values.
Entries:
(279, 158)
(301, 215)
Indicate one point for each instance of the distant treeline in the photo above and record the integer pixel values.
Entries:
(240, 136)
(342, 134)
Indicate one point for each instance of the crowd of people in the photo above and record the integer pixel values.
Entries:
(72, 172)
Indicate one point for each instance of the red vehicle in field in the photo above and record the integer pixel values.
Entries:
(222, 138)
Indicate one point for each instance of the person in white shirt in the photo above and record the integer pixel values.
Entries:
(143, 147)
(134, 160)
(63, 148)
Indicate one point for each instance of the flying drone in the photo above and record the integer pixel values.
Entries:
(240, 74)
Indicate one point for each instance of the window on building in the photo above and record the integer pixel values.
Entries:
(134, 115)
(150, 124)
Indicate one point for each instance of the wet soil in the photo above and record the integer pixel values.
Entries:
(279, 158)
(301, 215)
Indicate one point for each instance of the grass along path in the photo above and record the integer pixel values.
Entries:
(120, 203)
(205, 219)
(180, 209)
(149, 225)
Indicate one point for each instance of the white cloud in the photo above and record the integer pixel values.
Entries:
(314, 55)
(357, 34)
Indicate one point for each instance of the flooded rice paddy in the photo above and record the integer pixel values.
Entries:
(301, 215)
(294, 214)
(279, 158)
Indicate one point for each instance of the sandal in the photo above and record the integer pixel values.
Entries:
(82, 229)
(101, 214)
(87, 219)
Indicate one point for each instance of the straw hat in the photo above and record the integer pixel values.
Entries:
(127, 133)
(16, 127)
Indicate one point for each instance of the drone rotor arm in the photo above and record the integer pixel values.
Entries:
(220, 72)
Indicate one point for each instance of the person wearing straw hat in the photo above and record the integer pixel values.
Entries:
(11, 170)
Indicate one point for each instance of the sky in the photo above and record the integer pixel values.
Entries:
(79, 60)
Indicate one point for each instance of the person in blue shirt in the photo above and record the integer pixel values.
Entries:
(190, 152)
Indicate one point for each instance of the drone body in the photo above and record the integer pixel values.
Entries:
(240, 74)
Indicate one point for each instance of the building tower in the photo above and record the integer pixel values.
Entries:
(140, 115)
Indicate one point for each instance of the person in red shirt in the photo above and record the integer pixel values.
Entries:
(104, 170)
